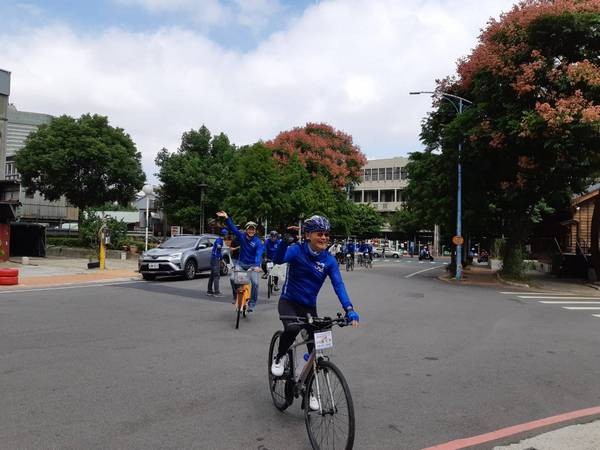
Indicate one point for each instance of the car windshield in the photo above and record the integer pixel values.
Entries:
(179, 242)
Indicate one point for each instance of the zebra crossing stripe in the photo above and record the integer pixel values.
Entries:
(582, 308)
(570, 303)
(550, 297)
(529, 293)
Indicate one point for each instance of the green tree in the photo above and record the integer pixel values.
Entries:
(530, 138)
(86, 160)
(201, 165)
(367, 221)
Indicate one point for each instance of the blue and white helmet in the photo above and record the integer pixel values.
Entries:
(316, 223)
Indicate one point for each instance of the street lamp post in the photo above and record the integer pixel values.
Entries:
(202, 187)
(459, 109)
(147, 189)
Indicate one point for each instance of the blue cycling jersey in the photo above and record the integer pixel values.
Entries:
(350, 248)
(216, 250)
(250, 249)
(271, 247)
(306, 274)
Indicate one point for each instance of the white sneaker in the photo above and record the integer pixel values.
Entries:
(313, 403)
(277, 368)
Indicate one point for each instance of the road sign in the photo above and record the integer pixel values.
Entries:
(458, 240)
(175, 230)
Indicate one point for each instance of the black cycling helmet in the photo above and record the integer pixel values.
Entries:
(316, 223)
(274, 233)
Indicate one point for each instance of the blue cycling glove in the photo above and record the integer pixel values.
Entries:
(352, 316)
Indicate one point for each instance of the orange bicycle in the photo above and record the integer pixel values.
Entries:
(241, 280)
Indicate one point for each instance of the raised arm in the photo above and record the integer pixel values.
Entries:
(230, 224)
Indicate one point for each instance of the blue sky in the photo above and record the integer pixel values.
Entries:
(248, 68)
(96, 16)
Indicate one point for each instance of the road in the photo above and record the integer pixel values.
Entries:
(148, 365)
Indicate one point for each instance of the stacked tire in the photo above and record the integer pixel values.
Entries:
(9, 276)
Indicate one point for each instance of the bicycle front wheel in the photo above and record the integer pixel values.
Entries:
(280, 387)
(332, 425)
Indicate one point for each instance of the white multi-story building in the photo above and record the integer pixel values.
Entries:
(382, 185)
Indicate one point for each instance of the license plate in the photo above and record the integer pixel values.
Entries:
(323, 340)
(152, 265)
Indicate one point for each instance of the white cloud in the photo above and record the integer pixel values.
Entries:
(348, 63)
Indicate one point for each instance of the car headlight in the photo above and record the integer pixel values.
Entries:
(175, 256)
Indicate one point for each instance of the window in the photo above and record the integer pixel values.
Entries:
(374, 176)
(387, 196)
(396, 173)
(388, 173)
(382, 174)
(357, 196)
(399, 195)
(371, 196)
(367, 176)
(403, 173)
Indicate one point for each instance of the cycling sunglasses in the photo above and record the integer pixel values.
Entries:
(322, 233)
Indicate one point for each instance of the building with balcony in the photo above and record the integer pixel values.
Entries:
(382, 185)
(33, 208)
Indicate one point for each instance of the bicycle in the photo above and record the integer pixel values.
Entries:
(241, 279)
(349, 262)
(270, 279)
(368, 259)
(331, 423)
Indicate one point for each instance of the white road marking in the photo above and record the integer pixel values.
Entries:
(570, 303)
(550, 297)
(77, 286)
(596, 315)
(421, 271)
(529, 293)
(582, 308)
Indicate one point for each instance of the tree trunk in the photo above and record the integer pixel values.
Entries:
(595, 229)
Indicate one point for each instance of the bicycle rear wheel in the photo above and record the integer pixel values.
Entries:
(333, 425)
(280, 387)
(269, 286)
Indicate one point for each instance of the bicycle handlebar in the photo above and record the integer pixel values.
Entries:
(319, 322)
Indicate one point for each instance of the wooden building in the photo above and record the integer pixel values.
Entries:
(577, 238)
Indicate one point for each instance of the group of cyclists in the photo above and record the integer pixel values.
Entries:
(308, 265)
(339, 249)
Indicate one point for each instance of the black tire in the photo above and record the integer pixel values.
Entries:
(280, 387)
(148, 276)
(334, 428)
(347, 265)
(237, 319)
(396, 255)
(189, 269)
(269, 286)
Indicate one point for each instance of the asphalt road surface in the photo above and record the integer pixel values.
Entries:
(149, 365)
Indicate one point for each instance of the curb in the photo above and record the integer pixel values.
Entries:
(512, 283)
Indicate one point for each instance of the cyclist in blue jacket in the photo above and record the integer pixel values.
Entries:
(270, 247)
(309, 263)
(215, 265)
(250, 254)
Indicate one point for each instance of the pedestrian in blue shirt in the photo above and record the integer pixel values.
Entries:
(216, 256)
(309, 264)
(250, 254)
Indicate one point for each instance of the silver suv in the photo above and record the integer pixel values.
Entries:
(181, 255)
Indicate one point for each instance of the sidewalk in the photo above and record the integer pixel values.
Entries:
(56, 271)
(483, 276)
